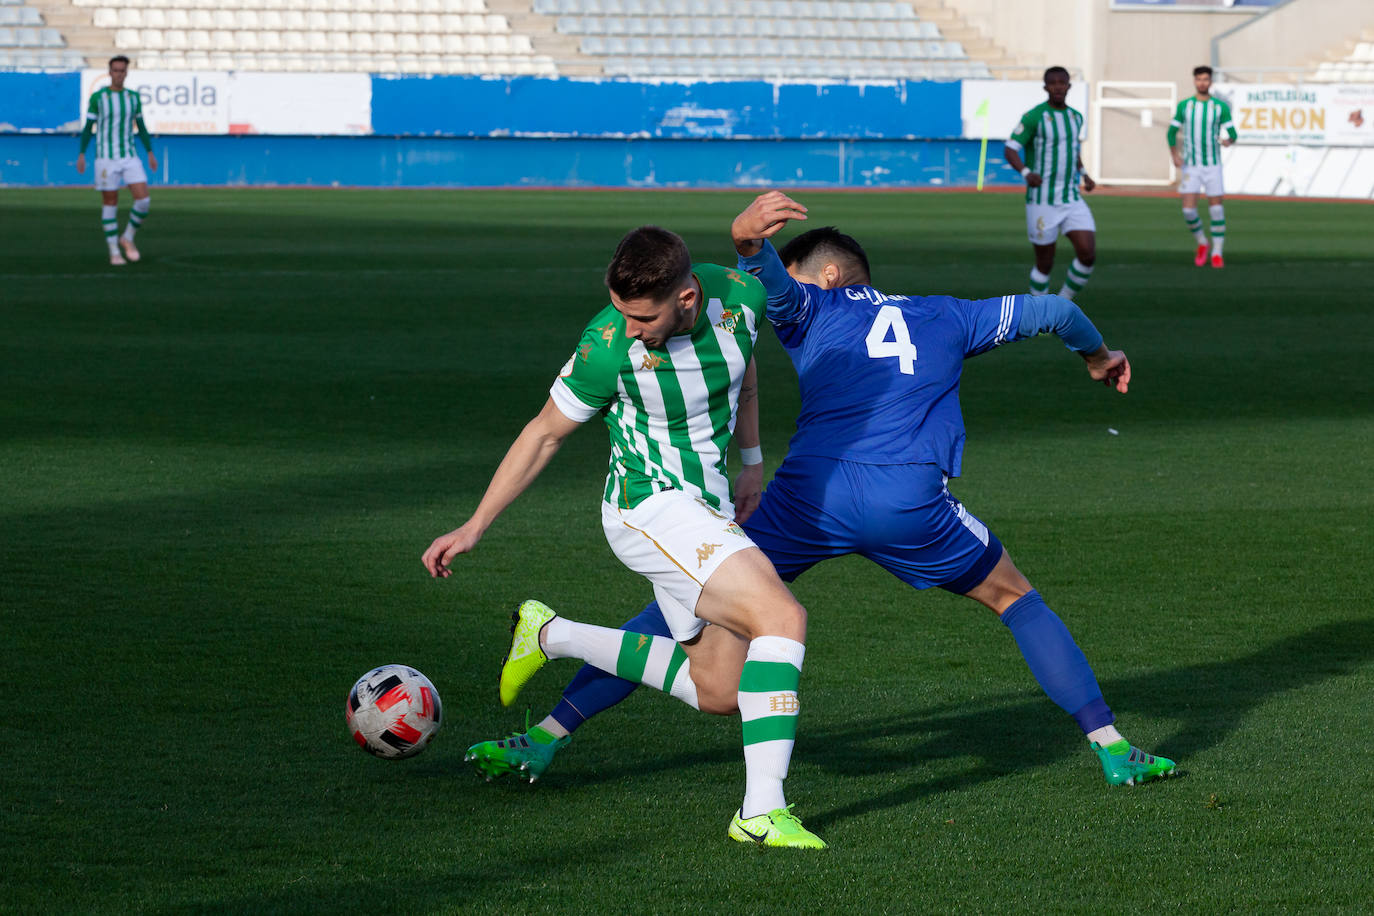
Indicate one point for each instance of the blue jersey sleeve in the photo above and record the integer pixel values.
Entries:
(988, 322)
(1060, 317)
(789, 302)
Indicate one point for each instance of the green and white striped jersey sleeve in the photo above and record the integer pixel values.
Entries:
(670, 411)
(115, 117)
(1050, 141)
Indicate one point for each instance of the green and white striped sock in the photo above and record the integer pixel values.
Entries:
(136, 217)
(1076, 279)
(655, 661)
(1218, 214)
(109, 221)
(768, 708)
(1194, 224)
(1039, 283)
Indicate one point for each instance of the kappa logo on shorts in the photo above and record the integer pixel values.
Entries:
(704, 553)
(785, 703)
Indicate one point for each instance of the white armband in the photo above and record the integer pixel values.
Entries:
(751, 456)
(1025, 170)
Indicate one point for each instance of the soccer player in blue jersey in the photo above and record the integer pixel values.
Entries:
(879, 435)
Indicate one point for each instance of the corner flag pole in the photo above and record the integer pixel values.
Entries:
(982, 112)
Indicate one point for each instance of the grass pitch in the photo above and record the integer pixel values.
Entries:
(222, 464)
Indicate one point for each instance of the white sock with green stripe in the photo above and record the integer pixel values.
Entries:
(1039, 283)
(136, 216)
(655, 661)
(1075, 280)
(1218, 214)
(109, 221)
(1194, 224)
(768, 708)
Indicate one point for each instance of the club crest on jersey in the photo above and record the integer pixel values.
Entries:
(651, 361)
(728, 320)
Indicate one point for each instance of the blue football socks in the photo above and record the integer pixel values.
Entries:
(1056, 661)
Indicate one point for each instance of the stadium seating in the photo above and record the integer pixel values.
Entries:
(781, 39)
(1355, 67)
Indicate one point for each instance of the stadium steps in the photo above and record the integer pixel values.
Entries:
(74, 22)
(565, 49)
(977, 46)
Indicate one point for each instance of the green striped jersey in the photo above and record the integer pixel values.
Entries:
(670, 410)
(1201, 121)
(1050, 141)
(115, 116)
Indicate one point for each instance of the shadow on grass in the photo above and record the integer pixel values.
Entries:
(1206, 702)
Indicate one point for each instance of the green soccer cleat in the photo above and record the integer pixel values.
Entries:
(779, 827)
(525, 656)
(527, 755)
(1124, 765)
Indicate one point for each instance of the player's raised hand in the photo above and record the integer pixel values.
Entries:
(1110, 367)
(448, 546)
(763, 219)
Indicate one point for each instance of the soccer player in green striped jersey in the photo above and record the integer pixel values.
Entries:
(1201, 120)
(668, 366)
(113, 116)
(1050, 138)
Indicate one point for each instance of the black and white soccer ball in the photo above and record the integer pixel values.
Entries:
(393, 711)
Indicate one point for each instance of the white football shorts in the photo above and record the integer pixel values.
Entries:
(676, 541)
(1045, 223)
(113, 174)
(1202, 179)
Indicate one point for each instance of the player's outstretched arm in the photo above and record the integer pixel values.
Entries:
(762, 219)
(527, 457)
(1110, 367)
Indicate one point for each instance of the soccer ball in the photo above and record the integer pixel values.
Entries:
(393, 711)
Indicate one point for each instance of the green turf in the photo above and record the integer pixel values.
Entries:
(221, 466)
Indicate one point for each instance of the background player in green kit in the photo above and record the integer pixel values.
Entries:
(1201, 120)
(112, 117)
(1050, 137)
(666, 365)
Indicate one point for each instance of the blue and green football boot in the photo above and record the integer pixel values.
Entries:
(1124, 765)
(527, 755)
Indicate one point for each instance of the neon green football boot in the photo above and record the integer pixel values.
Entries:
(779, 827)
(525, 656)
(527, 755)
(1124, 765)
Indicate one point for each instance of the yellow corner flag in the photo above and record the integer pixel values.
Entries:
(982, 112)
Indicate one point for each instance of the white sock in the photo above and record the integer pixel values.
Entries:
(1105, 735)
(1194, 225)
(136, 216)
(109, 221)
(655, 661)
(1039, 283)
(1075, 279)
(768, 709)
(1218, 214)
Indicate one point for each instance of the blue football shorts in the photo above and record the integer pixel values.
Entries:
(900, 516)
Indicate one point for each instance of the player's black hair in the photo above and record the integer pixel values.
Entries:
(1055, 70)
(811, 250)
(650, 262)
(116, 59)
(1198, 71)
